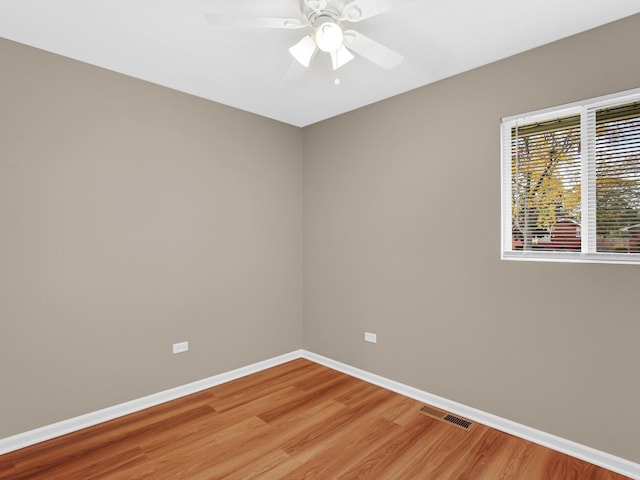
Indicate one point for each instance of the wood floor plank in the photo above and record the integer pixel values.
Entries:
(192, 432)
(274, 464)
(236, 392)
(92, 466)
(421, 460)
(476, 460)
(296, 421)
(404, 411)
(146, 422)
(381, 459)
(365, 425)
(103, 443)
(247, 449)
(521, 457)
(309, 399)
(334, 458)
(6, 467)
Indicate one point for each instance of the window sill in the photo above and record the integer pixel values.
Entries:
(572, 257)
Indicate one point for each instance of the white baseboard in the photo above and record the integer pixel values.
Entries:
(588, 454)
(48, 432)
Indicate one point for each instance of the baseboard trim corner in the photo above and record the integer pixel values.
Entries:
(583, 452)
(588, 454)
(47, 432)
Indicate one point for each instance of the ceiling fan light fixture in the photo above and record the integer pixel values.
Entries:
(324, 18)
(340, 57)
(329, 36)
(304, 50)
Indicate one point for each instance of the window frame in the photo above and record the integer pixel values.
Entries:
(586, 109)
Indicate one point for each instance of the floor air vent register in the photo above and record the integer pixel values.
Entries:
(444, 416)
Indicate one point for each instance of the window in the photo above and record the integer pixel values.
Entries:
(571, 182)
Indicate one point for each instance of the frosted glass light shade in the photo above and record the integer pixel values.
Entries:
(303, 50)
(329, 36)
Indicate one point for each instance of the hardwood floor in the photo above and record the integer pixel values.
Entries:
(298, 420)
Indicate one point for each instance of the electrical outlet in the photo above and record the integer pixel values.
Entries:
(370, 337)
(180, 347)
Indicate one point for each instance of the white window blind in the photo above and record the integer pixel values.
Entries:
(571, 182)
(617, 169)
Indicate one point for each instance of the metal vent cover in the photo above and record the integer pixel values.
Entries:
(448, 417)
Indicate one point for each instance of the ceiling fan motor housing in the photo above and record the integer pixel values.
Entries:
(314, 9)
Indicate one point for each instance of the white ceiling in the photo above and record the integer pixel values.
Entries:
(168, 42)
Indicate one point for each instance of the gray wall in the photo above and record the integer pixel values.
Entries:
(134, 217)
(402, 238)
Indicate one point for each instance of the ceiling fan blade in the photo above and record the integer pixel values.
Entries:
(304, 50)
(371, 50)
(340, 57)
(358, 10)
(246, 21)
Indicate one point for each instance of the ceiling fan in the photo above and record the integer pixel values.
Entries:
(325, 20)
